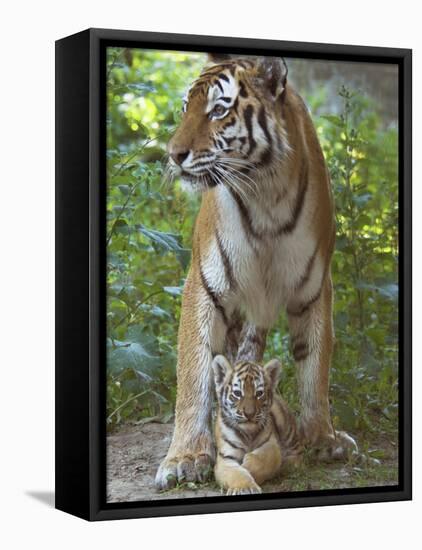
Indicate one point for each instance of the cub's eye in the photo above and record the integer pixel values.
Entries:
(237, 393)
(259, 394)
(218, 111)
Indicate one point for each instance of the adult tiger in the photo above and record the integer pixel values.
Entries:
(263, 241)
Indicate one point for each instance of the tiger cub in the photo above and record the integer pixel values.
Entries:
(255, 431)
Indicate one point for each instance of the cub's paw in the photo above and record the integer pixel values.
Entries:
(252, 489)
(341, 447)
(195, 467)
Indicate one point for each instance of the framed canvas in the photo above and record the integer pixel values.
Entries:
(233, 274)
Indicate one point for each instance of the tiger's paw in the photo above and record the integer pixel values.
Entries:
(339, 447)
(252, 489)
(190, 467)
(316, 432)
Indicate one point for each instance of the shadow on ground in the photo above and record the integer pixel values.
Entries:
(45, 497)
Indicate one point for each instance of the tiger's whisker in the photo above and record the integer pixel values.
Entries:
(240, 177)
(232, 184)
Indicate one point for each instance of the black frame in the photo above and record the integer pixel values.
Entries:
(80, 274)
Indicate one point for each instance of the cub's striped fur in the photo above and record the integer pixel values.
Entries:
(255, 431)
(262, 243)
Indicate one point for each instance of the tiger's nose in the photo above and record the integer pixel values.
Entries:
(249, 412)
(179, 156)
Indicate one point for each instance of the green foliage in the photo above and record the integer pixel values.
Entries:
(149, 228)
(362, 160)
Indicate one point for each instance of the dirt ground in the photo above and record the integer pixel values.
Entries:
(134, 453)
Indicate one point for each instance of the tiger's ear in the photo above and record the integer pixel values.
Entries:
(222, 368)
(273, 369)
(218, 57)
(273, 71)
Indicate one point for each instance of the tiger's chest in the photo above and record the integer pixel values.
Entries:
(256, 269)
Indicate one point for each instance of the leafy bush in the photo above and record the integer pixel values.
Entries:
(149, 229)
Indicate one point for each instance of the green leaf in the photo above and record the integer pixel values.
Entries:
(334, 119)
(347, 414)
(362, 200)
(124, 189)
(342, 319)
(376, 453)
(341, 242)
(168, 242)
(139, 352)
(121, 226)
(173, 290)
(156, 311)
(390, 290)
(377, 335)
(141, 87)
(122, 180)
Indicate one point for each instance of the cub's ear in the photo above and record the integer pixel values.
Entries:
(273, 71)
(273, 369)
(221, 368)
(218, 57)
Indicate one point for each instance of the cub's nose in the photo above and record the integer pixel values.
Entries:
(249, 413)
(179, 156)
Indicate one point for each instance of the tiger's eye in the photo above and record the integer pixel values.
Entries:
(259, 394)
(237, 393)
(218, 110)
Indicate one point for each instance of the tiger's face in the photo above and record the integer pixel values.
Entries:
(232, 124)
(245, 391)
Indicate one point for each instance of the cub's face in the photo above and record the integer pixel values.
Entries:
(231, 124)
(245, 391)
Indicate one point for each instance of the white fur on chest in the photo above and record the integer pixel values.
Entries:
(266, 272)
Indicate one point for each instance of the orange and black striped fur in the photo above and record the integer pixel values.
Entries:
(255, 432)
(262, 243)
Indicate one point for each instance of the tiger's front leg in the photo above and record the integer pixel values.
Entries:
(201, 334)
(234, 478)
(264, 462)
(312, 339)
